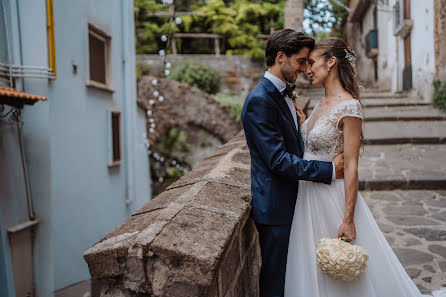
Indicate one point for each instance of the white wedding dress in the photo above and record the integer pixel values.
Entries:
(319, 212)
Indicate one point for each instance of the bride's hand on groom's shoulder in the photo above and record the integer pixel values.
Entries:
(300, 114)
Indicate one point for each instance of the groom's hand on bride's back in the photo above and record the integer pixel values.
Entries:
(339, 166)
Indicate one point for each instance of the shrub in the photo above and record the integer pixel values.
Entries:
(141, 69)
(232, 101)
(196, 75)
(439, 96)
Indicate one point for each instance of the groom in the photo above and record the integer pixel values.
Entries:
(272, 132)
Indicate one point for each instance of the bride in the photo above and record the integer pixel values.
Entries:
(338, 209)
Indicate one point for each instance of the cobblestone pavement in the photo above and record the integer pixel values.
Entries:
(414, 223)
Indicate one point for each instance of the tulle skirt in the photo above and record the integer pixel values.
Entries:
(319, 213)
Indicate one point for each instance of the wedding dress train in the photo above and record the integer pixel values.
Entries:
(319, 212)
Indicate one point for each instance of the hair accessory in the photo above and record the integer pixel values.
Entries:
(349, 55)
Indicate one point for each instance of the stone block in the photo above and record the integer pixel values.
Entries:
(242, 157)
(412, 257)
(107, 258)
(240, 174)
(162, 200)
(240, 285)
(428, 234)
(438, 249)
(213, 290)
(230, 265)
(193, 242)
(157, 275)
(247, 236)
(183, 289)
(224, 198)
(254, 269)
(111, 292)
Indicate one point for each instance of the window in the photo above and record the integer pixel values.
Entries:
(99, 57)
(115, 150)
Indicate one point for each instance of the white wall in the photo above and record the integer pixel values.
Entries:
(422, 44)
(387, 57)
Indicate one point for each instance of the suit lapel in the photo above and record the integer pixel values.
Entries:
(278, 98)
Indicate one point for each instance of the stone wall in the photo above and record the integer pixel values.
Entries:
(237, 73)
(184, 107)
(194, 239)
(440, 41)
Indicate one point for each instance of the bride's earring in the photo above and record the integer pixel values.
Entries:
(329, 69)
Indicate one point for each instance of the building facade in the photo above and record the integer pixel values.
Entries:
(394, 42)
(440, 41)
(74, 166)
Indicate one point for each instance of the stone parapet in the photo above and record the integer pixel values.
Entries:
(194, 239)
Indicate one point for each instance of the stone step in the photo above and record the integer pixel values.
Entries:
(400, 132)
(381, 95)
(382, 102)
(319, 92)
(402, 113)
(403, 167)
(406, 113)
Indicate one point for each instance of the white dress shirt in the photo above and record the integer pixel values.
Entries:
(281, 85)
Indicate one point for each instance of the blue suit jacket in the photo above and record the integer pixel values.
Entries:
(276, 149)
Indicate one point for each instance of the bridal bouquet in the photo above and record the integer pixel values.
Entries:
(341, 260)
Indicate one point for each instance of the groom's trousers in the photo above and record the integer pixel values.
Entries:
(273, 241)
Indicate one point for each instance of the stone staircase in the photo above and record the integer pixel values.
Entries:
(402, 176)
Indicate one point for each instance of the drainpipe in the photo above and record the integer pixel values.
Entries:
(125, 110)
(31, 213)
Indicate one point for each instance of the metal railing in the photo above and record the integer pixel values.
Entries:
(19, 71)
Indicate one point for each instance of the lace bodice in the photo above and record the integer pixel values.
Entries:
(320, 131)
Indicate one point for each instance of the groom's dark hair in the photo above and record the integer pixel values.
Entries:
(288, 41)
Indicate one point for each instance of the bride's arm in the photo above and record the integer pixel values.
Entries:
(352, 144)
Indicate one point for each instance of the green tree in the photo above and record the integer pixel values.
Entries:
(240, 21)
(325, 16)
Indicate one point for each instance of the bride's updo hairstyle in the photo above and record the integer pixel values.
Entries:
(336, 47)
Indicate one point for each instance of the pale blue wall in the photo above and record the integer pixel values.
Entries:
(3, 45)
(78, 198)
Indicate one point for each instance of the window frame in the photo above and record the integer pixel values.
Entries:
(110, 142)
(103, 36)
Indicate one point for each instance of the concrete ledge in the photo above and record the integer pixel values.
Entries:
(194, 239)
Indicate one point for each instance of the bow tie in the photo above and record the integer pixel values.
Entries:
(288, 91)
